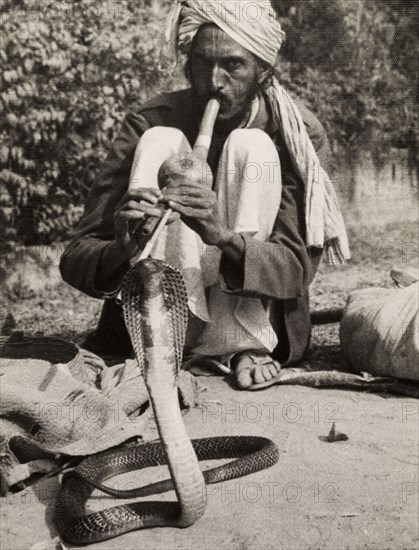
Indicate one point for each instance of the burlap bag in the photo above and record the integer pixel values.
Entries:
(58, 400)
(379, 331)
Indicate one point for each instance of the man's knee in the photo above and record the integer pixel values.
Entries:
(247, 138)
(161, 134)
(256, 154)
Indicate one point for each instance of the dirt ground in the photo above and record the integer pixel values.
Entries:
(354, 494)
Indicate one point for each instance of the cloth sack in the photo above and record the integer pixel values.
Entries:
(379, 331)
(58, 400)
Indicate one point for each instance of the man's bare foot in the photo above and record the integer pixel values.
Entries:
(253, 367)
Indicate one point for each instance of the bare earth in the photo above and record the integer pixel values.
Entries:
(360, 493)
(354, 494)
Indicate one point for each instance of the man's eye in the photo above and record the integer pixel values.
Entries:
(234, 65)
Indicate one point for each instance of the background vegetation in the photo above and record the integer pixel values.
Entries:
(72, 70)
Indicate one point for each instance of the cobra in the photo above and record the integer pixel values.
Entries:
(156, 313)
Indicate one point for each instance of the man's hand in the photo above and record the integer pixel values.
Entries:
(187, 190)
(132, 208)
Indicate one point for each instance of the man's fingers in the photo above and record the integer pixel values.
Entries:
(142, 208)
(148, 193)
(129, 215)
(194, 202)
(199, 200)
(183, 210)
(173, 217)
(150, 210)
(136, 205)
(188, 211)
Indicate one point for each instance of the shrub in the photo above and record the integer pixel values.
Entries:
(71, 71)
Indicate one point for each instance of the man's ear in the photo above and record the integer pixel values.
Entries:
(263, 75)
(264, 72)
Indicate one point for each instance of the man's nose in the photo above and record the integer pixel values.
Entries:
(217, 79)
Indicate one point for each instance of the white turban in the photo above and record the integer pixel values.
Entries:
(252, 24)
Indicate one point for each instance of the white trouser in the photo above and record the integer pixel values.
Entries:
(248, 187)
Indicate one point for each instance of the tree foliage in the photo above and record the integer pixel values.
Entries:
(71, 71)
(355, 63)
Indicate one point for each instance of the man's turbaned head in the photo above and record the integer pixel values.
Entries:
(231, 46)
(233, 37)
(250, 23)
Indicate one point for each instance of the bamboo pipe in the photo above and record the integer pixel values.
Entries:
(200, 150)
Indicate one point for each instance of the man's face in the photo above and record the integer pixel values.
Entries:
(220, 66)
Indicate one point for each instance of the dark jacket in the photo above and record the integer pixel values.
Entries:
(280, 269)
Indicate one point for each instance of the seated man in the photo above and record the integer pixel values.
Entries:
(248, 229)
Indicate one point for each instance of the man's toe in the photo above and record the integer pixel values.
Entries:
(251, 369)
(244, 380)
(274, 369)
(258, 375)
(266, 372)
(243, 376)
